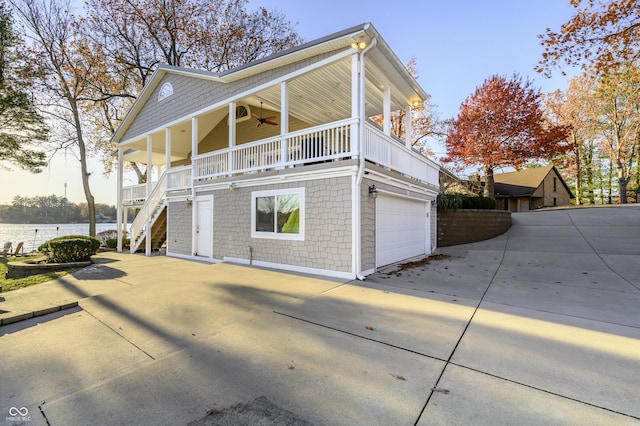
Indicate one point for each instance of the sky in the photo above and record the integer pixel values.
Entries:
(457, 45)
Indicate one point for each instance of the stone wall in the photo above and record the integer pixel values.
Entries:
(469, 226)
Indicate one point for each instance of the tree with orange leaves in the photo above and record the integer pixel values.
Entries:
(600, 35)
(502, 124)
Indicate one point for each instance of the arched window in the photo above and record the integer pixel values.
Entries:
(165, 91)
(243, 112)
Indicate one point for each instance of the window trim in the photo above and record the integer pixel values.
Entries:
(246, 117)
(166, 91)
(300, 192)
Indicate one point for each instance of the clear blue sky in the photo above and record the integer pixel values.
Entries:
(457, 44)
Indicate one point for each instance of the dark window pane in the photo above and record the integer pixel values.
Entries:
(265, 214)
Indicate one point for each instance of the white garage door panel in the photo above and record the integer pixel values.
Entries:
(400, 229)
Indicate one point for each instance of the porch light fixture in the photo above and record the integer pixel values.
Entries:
(189, 201)
(358, 45)
(232, 186)
(373, 192)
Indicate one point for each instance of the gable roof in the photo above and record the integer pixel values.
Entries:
(381, 53)
(523, 183)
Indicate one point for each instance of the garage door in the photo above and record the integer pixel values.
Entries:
(401, 229)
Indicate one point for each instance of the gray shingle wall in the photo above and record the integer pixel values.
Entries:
(191, 94)
(179, 228)
(327, 243)
(367, 227)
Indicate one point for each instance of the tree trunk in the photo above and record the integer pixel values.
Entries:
(622, 185)
(578, 154)
(610, 182)
(489, 187)
(622, 181)
(588, 161)
(91, 205)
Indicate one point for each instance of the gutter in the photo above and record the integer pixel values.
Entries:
(360, 173)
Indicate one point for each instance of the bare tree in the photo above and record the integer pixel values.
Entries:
(55, 56)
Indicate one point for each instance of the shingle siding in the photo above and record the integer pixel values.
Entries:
(179, 228)
(327, 243)
(192, 93)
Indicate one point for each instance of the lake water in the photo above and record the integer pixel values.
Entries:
(32, 235)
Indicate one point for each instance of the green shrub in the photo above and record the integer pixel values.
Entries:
(481, 203)
(94, 242)
(456, 201)
(67, 250)
(113, 243)
(449, 202)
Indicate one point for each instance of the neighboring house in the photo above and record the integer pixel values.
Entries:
(531, 189)
(277, 164)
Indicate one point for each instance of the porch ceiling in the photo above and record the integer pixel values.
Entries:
(324, 95)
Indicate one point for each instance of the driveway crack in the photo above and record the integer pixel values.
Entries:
(448, 361)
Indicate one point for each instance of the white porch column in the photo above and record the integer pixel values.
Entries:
(121, 210)
(407, 126)
(232, 135)
(386, 110)
(284, 121)
(167, 150)
(355, 104)
(194, 137)
(194, 144)
(147, 233)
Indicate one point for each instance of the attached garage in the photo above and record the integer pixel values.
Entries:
(402, 229)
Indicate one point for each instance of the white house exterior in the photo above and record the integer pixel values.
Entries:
(277, 163)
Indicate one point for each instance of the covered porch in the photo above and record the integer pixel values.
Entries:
(318, 113)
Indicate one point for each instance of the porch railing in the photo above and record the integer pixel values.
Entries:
(135, 193)
(316, 144)
(179, 178)
(386, 151)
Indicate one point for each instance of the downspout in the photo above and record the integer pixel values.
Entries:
(360, 173)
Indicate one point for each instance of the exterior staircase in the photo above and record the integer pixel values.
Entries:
(153, 214)
(158, 232)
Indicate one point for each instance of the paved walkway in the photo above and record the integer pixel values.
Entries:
(538, 326)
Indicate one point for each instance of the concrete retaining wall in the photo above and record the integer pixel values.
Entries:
(469, 226)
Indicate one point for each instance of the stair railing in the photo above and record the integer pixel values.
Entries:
(148, 213)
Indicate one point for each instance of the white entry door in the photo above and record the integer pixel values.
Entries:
(203, 227)
(402, 229)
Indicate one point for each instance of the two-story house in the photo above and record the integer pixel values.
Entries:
(278, 164)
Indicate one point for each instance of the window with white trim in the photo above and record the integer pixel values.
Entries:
(243, 112)
(278, 214)
(165, 91)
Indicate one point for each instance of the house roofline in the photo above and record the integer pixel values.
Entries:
(225, 76)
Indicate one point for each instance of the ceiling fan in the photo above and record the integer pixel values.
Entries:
(267, 120)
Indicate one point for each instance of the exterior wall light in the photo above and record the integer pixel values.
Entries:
(373, 192)
(189, 201)
(358, 45)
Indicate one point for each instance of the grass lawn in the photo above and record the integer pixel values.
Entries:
(16, 283)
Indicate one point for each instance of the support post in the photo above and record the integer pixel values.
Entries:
(167, 154)
(284, 122)
(407, 126)
(232, 136)
(147, 235)
(119, 200)
(386, 110)
(355, 105)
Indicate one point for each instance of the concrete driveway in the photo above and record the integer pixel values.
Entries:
(538, 326)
